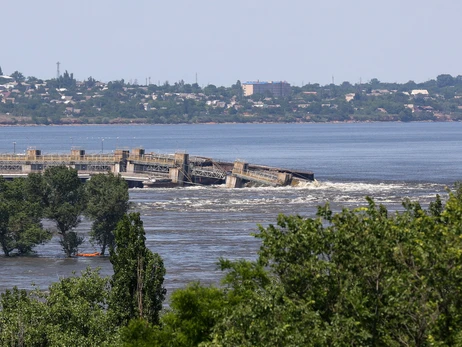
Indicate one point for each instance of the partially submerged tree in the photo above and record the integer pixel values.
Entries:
(20, 218)
(137, 283)
(107, 202)
(64, 203)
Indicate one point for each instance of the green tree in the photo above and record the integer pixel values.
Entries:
(67, 80)
(359, 277)
(33, 80)
(259, 312)
(77, 311)
(64, 203)
(444, 80)
(406, 115)
(71, 313)
(20, 218)
(210, 90)
(22, 319)
(236, 89)
(107, 202)
(90, 82)
(193, 313)
(18, 77)
(139, 333)
(137, 283)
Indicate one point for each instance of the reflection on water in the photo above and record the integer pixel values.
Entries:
(191, 228)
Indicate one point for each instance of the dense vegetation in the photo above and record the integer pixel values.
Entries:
(359, 277)
(59, 196)
(88, 310)
(65, 100)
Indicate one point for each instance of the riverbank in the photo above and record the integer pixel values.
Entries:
(131, 123)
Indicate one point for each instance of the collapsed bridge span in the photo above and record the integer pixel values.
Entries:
(143, 169)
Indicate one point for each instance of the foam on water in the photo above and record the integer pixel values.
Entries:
(192, 227)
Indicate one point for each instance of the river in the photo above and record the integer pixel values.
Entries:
(191, 228)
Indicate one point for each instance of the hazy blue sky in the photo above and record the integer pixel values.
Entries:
(223, 41)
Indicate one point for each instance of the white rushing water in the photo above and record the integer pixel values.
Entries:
(192, 227)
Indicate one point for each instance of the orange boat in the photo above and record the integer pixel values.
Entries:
(95, 254)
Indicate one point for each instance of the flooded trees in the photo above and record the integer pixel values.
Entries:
(89, 310)
(64, 203)
(20, 218)
(59, 196)
(107, 202)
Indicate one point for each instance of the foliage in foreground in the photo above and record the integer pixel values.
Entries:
(89, 310)
(137, 284)
(72, 313)
(361, 277)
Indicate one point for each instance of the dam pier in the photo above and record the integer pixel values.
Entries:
(141, 169)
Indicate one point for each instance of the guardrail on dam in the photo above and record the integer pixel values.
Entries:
(142, 169)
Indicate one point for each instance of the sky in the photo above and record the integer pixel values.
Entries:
(298, 41)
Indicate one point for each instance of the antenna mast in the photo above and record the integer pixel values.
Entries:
(57, 70)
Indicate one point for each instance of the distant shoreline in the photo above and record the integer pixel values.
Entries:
(217, 123)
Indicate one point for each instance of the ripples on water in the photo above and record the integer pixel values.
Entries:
(192, 227)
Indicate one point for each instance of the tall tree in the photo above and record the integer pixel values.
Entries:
(20, 218)
(107, 202)
(64, 203)
(18, 76)
(90, 82)
(137, 283)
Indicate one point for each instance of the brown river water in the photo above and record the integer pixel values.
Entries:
(191, 228)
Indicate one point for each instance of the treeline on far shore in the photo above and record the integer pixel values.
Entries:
(64, 100)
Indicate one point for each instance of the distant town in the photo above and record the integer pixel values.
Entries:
(64, 100)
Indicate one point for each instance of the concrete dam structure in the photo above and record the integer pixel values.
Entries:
(141, 169)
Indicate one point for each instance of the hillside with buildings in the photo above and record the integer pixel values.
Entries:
(64, 100)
